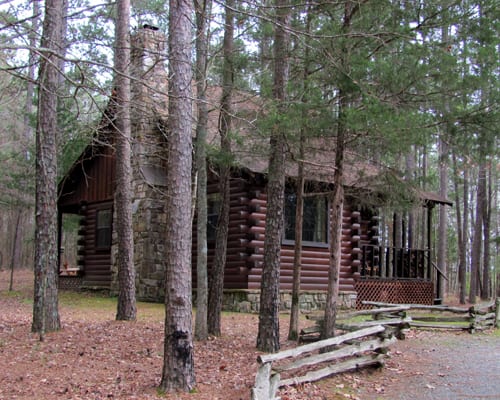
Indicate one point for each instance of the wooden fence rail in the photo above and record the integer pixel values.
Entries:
(353, 350)
(394, 319)
(473, 319)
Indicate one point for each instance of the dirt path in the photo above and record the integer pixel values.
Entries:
(437, 365)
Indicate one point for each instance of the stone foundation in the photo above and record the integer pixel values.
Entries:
(236, 300)
(241, 300)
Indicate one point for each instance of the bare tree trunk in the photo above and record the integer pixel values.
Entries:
(45, 305)
(268, 335)
(423, 238)
(178, 366)
(30, 85)
(442, 242)
(336, 205)
(15, 249)
(126, 308)
(337, 195)
(293, 332)
(443, 220)
(216, 293)
(461, 231)
(477, 241)
(486, 289)
(465, 230)
(201, 328)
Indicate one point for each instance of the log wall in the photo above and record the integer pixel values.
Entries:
(96, 262)
(236, 272)
(315, 259)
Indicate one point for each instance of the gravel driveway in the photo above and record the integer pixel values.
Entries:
(438, 365)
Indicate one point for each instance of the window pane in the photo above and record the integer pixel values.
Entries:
(315, 218)
(290, 205)
(104, 219)
(213, 207)
(104, 228)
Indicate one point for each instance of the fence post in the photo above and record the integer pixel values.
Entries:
(497, 313)
(472, 315)
(265, 385)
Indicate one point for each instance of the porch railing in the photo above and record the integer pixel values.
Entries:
(395, 262)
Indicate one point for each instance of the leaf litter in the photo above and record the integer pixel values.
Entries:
(95, 357)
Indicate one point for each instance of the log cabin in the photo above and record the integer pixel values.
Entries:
(379, 262)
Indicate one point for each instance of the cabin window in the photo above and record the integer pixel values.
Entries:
(315, 219)
(104, 228)
(213, 209)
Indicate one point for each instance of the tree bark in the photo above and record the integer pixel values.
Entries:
(201, 325)
(126, 308)
(16, 242)
(45, 305)
(336, 205)
(477, 240)
(293, 331)
(461, 231)
(225, 122)
(443, 220)
(268, 335)
(32, 61)
(486, 290)
(337, 194)
(178, 366)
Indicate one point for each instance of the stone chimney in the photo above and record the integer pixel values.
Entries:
(149, 108)
(148, 69)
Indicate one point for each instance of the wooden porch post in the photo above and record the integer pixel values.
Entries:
(430, 207)
(59, 238)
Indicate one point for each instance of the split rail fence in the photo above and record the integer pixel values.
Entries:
(364, 344)
(353, 350)
(472, 319)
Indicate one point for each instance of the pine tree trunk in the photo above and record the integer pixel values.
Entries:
(45, 306)
(178, 366)
(225, 122)
(201, 327)
(443, 220)
(486, 292)
(16, 244)
(336, 205)
(268, 335)
(216, 287)
(293, 332)
(461, 233)
(337, 195)
(30, 85)
(126, 308)
(477, 240)
(465, 230)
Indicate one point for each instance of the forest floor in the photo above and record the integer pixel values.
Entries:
(95, 357)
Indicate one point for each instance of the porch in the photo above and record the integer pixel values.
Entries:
(396, 275)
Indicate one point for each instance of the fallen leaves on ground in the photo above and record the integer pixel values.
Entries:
(94, 357)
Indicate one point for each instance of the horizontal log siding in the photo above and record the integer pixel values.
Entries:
(314, 272)
(235, 273)
(97, 263)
